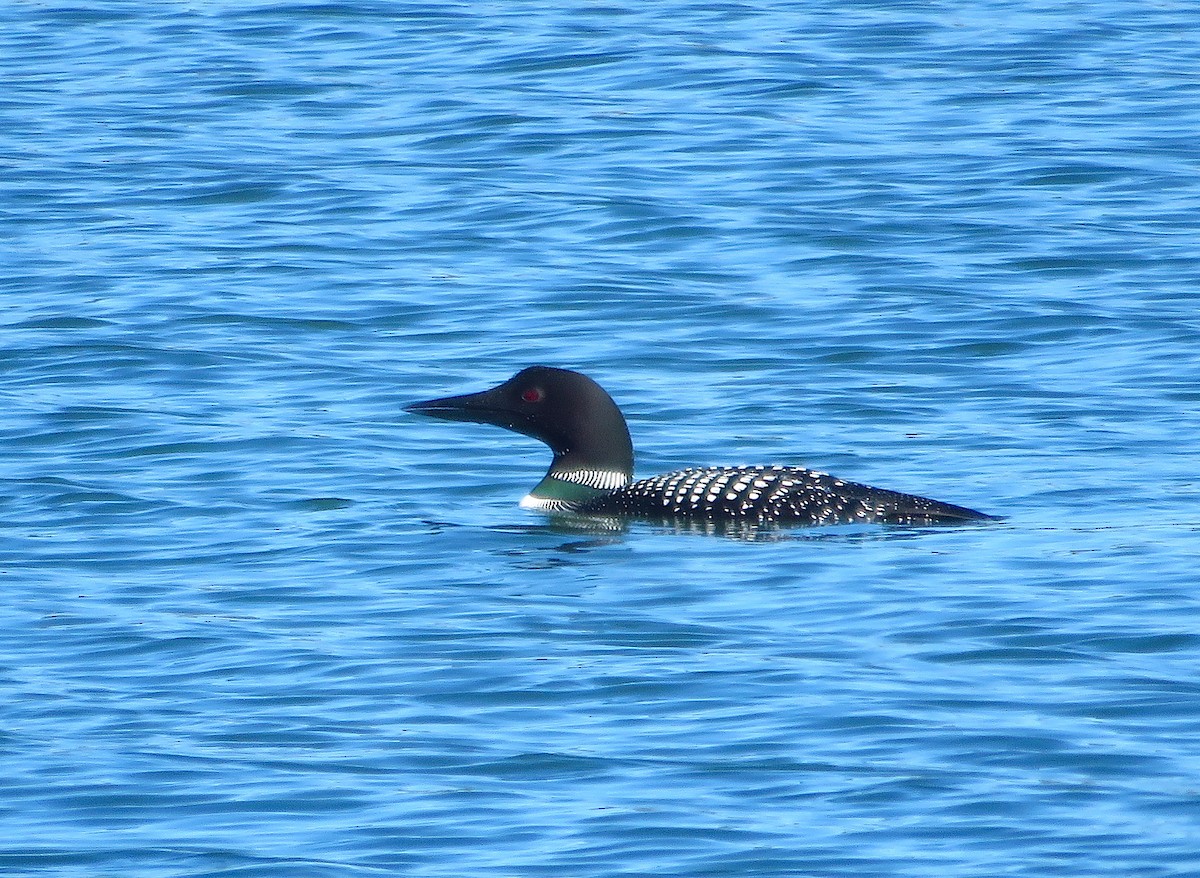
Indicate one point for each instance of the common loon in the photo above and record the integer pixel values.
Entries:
(592, 470)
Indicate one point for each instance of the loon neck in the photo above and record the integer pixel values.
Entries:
(567, 485)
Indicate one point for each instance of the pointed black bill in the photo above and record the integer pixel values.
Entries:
(488, 407)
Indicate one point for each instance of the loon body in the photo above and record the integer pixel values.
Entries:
(592, 470)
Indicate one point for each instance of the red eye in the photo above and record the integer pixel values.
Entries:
(532, 394)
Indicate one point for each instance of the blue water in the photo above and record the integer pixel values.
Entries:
(260, 622)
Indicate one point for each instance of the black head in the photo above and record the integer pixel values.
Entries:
(567, 410)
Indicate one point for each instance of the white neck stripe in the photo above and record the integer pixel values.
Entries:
(604, 480)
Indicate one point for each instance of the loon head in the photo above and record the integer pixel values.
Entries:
(569, 412)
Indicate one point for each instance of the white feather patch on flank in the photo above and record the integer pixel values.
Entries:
(543, 503)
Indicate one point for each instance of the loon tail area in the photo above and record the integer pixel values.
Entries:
(937, 513)
(921, 510)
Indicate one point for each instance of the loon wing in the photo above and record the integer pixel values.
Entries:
(786, 495)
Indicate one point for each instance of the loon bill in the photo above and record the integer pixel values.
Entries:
(592, 470)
